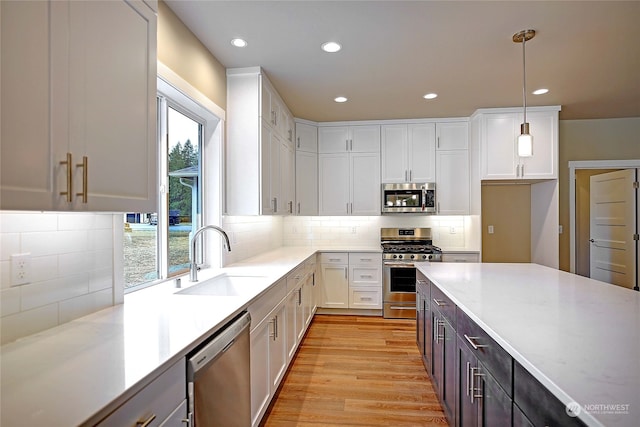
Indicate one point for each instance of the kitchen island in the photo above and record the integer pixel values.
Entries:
(579, 338)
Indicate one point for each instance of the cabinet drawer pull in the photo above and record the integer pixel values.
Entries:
(475, 345)
(69, 192)
(365, 259)
(85, 177)
(439, 303)
(335, 259)
(146, 422)
(366, 298)
(366, 276)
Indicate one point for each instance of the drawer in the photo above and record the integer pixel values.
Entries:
(263, 305)
(460, 257)
(495, 359)
(365, 298)
(539, 406)
(365, 276)
(439, 301)
(295, 278)
(157, 400)
(334, 258)
(365, 258)
(176, 418)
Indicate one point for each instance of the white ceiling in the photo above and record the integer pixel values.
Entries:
(586, 53)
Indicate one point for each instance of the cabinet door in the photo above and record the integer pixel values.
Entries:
(544, 162)
(494, 404)
(292, 339)
(452, 136)
(266, 113)
(27, 171)
(333, 185)
(365, 184)
(498, 146)
(421, 152)
(306, 138)
(112, 103)
(452, 182)
(278, 347)
(300, 312)
(364, 139)
(333, 139)
(270, 154)
(306, 183)
(308, 301)
(260, 380)
(467, 402)
(448, 382)
(335, 286)
(286, 178)
(394, 154)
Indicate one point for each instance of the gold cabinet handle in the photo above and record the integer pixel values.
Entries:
(85, 175)
(69, 192)
(146, 422)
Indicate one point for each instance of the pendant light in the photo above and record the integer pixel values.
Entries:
(525, 139)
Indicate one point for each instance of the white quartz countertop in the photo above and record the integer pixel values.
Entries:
(579, 337)
(78, 372)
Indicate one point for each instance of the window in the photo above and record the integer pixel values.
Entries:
(156, 244)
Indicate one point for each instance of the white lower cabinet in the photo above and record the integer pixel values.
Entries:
(268, 360)
(351, 280)
(161, 403)
(279, 320)
(334, 276)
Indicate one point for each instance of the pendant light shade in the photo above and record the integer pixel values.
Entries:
(525, 139)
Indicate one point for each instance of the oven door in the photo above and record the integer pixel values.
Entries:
(399, 281)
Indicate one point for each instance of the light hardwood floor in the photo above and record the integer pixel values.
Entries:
(356, 371)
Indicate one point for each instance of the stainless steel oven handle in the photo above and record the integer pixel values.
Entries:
(399, 265)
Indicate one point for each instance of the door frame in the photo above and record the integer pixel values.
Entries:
(587, 164)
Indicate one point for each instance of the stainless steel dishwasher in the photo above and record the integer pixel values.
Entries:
(218, 380)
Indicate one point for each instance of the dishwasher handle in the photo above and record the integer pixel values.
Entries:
(217, 345)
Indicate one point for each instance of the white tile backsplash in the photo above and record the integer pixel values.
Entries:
(251, 235)
(72, 272)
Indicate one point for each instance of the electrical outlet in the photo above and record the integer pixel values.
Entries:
(452, 230)
(20, 269)
(490, 229)
(560, 229)
(353, 230)
(294, 229)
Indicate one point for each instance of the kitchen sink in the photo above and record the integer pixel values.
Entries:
(227, 285)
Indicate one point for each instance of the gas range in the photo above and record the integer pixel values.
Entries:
(408, 244)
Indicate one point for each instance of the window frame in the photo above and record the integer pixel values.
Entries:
(174, 92)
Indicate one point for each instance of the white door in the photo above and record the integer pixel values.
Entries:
(365, 184)
(335, 286)
(333, 139)
(306, 138)
(422, 153)
(612, 227)
(306, 183)
(333, 187)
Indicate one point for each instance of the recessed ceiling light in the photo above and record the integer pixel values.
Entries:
(239, 42)
(340, 99)
(540, 91)
(430, 96)
(331, 47)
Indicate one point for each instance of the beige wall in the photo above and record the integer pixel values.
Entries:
(508, 208)
(603, 139)
(180, 50)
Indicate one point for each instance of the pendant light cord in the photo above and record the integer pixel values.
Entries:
(524, 79)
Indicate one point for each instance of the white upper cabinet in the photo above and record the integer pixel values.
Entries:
(342, 139)
(306, 169)
(452, 135)
(349, 170)
(499, 129)
(73, 88)
(408, 153)
(452, 182)
(260, 154)
(306, 138)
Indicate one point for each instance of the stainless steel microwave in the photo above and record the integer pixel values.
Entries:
(409, 198)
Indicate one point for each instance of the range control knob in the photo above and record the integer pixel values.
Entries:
(430, 256)
(395, 256)
(413, 256)
(400, 256)
(424, 257)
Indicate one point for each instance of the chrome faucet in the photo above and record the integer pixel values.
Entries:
(193, 272)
